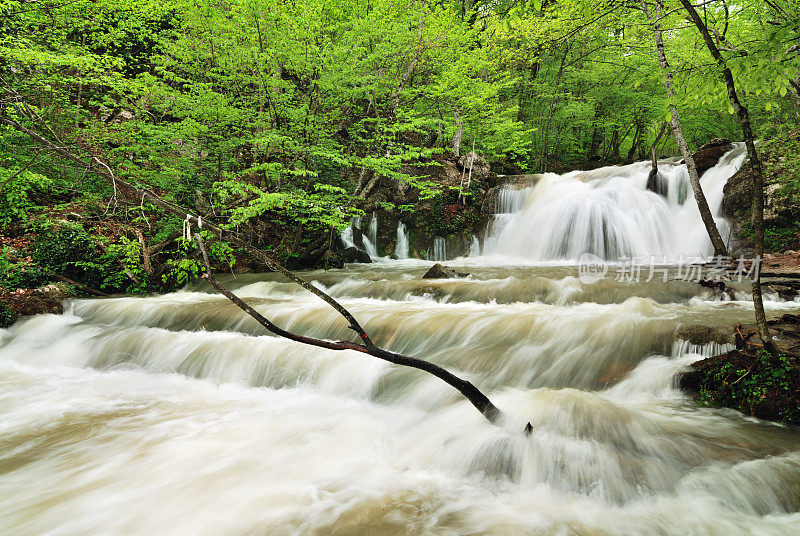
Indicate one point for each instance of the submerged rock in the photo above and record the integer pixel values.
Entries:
(438, 271)
(703, 335)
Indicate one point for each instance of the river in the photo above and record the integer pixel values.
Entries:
(177, 414)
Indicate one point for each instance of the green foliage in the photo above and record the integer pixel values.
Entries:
(127, 254)
(15, 201)
(768, 380)
(68, 250)
(781, 235)
(182, 271)
(7, 315)
(271, 117)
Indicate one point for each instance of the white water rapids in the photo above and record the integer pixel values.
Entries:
(178, 415)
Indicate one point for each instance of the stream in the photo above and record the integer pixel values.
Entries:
(178, 415)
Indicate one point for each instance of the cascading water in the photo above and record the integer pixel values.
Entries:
(438, 250)
(178, 414)
(368, 245)
(373, 229)
(474, 247)
(401, 245)
(609, 212)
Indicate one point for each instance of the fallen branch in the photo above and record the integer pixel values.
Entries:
(137, 195)
(477, 398)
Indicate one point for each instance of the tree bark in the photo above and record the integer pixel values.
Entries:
(694, 178)
(743, 117)
(458, 134)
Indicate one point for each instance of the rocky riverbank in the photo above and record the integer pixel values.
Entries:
(750, 380)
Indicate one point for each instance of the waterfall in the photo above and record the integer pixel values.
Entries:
(474, 247)
(370, 248)
(373, 230)
(401, 246)
(367, 241)
(438, 251)
(609, 212)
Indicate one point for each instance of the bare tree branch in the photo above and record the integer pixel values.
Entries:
(477, 398)
(134, 194)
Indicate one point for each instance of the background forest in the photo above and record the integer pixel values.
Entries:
(280, 120)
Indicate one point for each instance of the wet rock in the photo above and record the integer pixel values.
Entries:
(738, 193)
(331, 259)
(784, 292)
(47, 299)
(709, 154)
(353, 254)
(719, 378)
(703, 335)
(438, 271)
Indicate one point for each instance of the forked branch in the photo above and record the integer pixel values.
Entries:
(472, 393)
(138, 195)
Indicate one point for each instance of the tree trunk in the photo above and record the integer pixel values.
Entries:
(743, 117)
(694, 178)
(458, 134)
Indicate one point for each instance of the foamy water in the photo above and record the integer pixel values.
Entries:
(177, 414)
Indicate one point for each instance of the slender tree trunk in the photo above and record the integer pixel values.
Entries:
(743, 117)
(543, 157)
(458, 135)
(80, 88)
(694, 178)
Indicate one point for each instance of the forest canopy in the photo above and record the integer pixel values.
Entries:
(277, 119)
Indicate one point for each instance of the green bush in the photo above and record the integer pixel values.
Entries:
(7, 315)
(68, 250)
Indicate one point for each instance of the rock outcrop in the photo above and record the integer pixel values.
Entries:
(27, 302)
(353, 254)
(438, 271)
(709, 154)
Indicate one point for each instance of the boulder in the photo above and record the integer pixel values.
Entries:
(46, 299)
(709, 154)
(738, 194)
(331, 259)
(777, 204)
(480, 166)
(703, 335)
(438, 271)
(353, 254)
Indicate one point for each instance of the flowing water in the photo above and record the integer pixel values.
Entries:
(178, 414)
(609, 212)
(401, 244)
